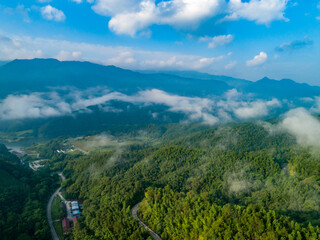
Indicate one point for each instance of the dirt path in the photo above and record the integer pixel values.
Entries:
(134, 214)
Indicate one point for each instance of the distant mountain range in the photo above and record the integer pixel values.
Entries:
(37, 74)
(40, 74)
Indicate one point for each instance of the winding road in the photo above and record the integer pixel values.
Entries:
(134, 214)
(54, 234)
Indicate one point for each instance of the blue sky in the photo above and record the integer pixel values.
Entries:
(247, 39)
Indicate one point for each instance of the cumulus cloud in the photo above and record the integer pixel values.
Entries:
(52, 14)
(260, 11)
(217, 40)
(294, 45)
(305, 127)
(131, 16)
(130, 23)
(258, 60)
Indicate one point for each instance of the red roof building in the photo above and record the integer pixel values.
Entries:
(65, 225)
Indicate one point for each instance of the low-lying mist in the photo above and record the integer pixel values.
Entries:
(95, 109)
(232, 106)
(300, 123)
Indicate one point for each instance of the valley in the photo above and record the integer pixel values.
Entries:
(183, 167)
(159, 120)
(223, 169)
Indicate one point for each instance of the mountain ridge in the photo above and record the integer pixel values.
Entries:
(39, 74)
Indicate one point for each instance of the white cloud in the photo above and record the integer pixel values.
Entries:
(258, 60)
(130, 23)
(77, 1)
(246, 109)
(217, 40)
(179, 62)
(32, 106)
(196, 108)
(255, 109)
(43, 105)
(14, 48)
(131, 16)
(260, 11)
(306, 128)
(233, 94)
(52, 14)
(182, 12)
(24, 47)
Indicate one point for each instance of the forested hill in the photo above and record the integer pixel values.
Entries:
(23, 196)
(190, 216)
(238, 181)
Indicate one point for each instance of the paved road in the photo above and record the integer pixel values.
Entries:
(62, 177)
(134, 214)
(54, 234)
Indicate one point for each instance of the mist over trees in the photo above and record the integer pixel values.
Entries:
(240, 180)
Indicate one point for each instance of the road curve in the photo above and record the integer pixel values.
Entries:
(134, 214)
(54, 234)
